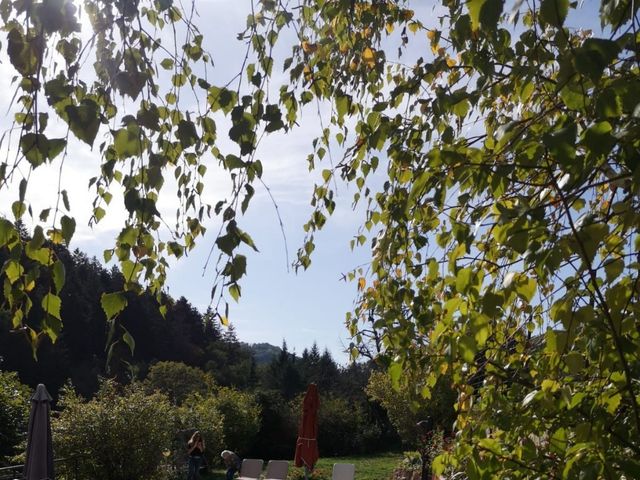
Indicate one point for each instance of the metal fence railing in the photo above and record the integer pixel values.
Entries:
(65, 469)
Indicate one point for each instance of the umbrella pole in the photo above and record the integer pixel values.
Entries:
(306, 473)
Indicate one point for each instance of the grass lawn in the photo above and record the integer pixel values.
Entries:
(370, 467)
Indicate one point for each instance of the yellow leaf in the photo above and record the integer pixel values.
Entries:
(408, 14)
(224, 320)
(431, 35)
(361, 283)
(451, 62)
(309, 47)
(413, 27)
(369, 57)
(389, 28)
(308, 73)
(55, 235)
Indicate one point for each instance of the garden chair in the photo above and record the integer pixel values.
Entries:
(343, 471)
(277, 470)
(251, 469)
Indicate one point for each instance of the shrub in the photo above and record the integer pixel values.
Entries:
(178, 380)
(339, 425)
(405, 409)
(278, 427)
(241, 418)
(14, 415)
(410, 467)
(122, 434)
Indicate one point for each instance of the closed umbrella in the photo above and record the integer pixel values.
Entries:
(39, 464)
(307, 443)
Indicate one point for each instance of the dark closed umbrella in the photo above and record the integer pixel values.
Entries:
(39, 465)
(307, 443)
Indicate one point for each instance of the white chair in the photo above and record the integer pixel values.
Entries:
(343, 471)
(251, 469)
(277, 470)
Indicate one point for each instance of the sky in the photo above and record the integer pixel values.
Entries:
(277, 304)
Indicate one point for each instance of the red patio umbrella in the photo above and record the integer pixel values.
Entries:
(307, 443)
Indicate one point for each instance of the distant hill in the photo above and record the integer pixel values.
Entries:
(263, 352)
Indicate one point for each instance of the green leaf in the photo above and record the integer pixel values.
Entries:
(13, 270)
(68, 226)
(395, 373)
(25, 53)
(51, 326)
(40, 255)
(187, 133)
(594, 56)
(167, 63)
(598, 138)
(608, 104)
(342, 106)
(591, 237)
(234, 291)
(51, 304)
(463, 279)
(18, 209)
(113, 303)
(58, 274)
(467, 348)
(35, 148)
(8, 232)
(575, 362)
(613, 269)
(222, 99)
(237, 268)
(227, 243)
(526, 287)
(84, 120)
(485, 13)
(554, 12)
(561, 142)
(129, 340)
(232, 162)
(128, 141)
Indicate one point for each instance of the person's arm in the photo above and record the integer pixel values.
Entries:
(191, 447)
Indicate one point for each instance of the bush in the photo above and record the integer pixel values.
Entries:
(339, 424)
(405, 408)
(14, 415)
(241, 418)
(122, 434)
(278, 427)
(410, 467)
(178, 380)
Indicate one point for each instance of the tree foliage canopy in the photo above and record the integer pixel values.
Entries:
(499, 167)
(504, 235)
